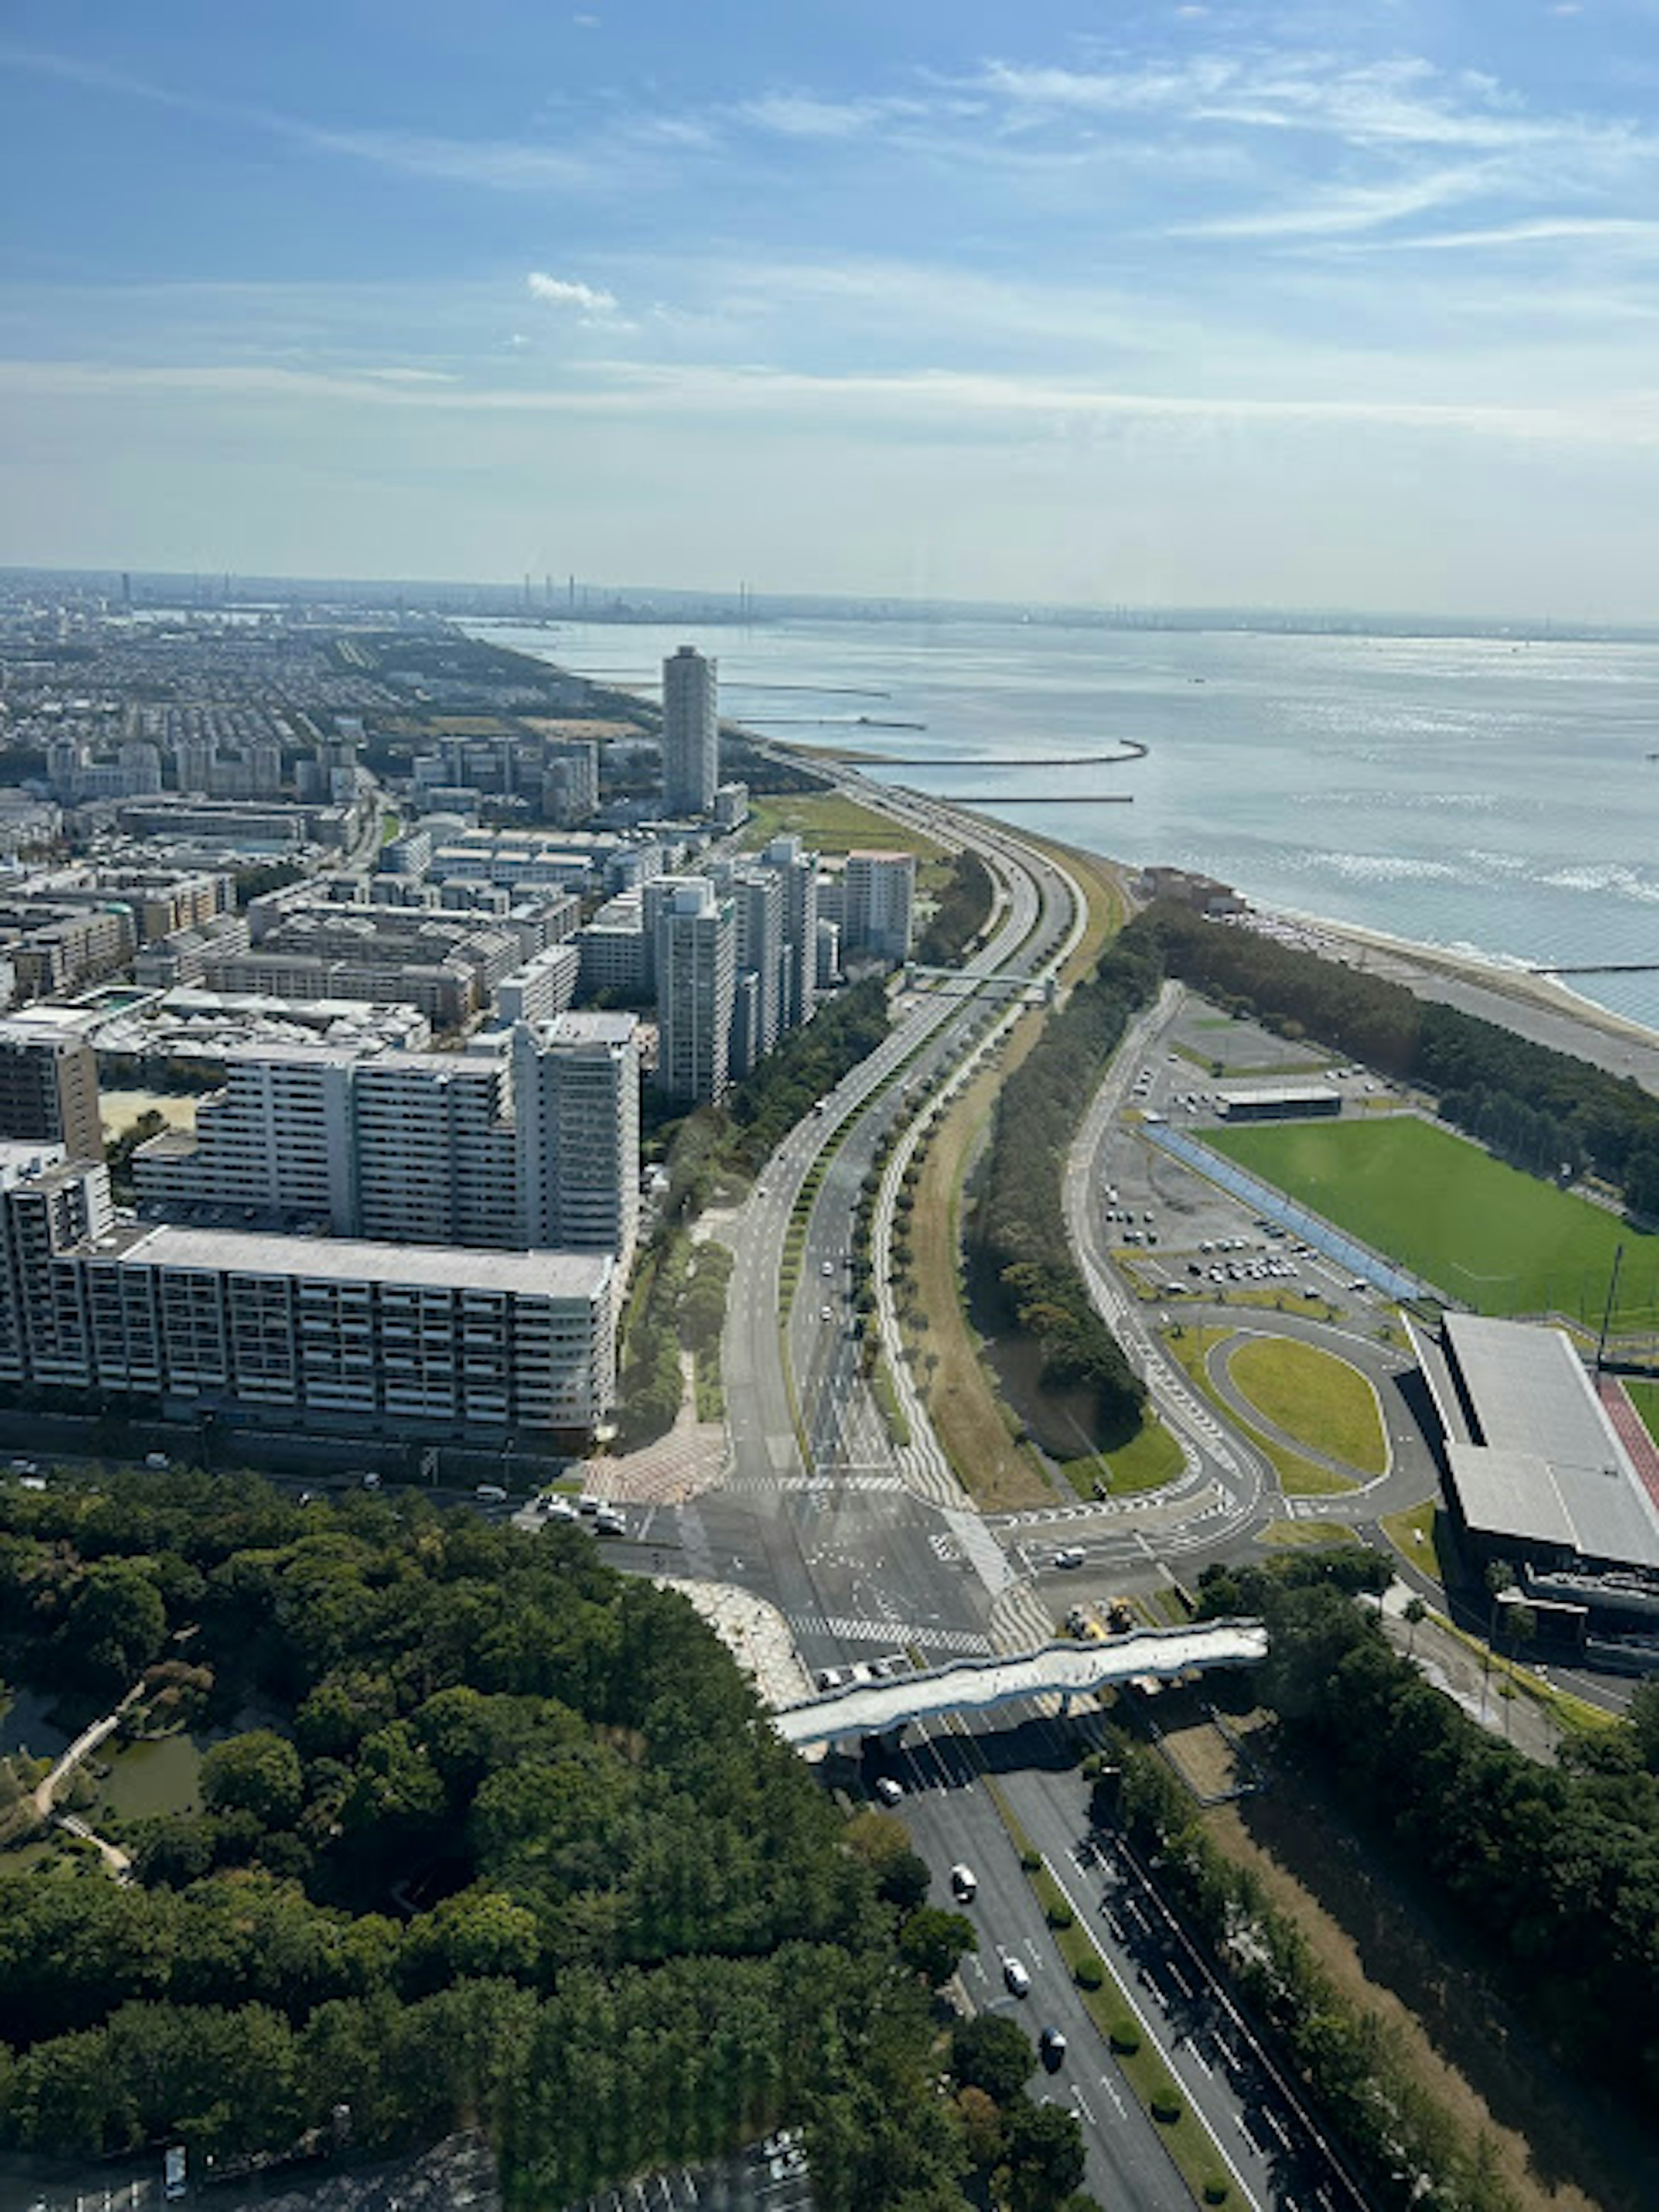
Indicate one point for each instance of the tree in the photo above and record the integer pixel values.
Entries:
(1415, 1613)
(1046, 2157)
(116, 1624)
(1642, 1717)
(993, 2054)
(982, 2129)
(934, 1943)
(258, 1773)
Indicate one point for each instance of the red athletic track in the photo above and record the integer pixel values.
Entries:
(1633, 1430)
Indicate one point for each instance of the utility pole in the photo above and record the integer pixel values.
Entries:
(1606, 1311)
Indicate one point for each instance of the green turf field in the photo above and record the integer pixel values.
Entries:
(1483, 1233)
(1645, 1396)
(1319, 1400)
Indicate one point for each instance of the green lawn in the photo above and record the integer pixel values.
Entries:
(1483, 1233)
(1320, 1400)
(1645, 1396)
(830, 824)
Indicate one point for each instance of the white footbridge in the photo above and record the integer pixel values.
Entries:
(976, 1686)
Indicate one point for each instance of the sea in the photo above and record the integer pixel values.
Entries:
(1492, 796)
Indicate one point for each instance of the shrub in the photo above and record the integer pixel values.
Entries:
(1030, 1861)
(1166, 2104)
(1215, 2188)
(1125, 2036)
(1060, 1915)
(1090, 1974)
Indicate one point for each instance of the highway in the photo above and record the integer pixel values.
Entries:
(831, 1535)
(1271, 2149)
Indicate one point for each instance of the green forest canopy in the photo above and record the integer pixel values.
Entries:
(496, 1833)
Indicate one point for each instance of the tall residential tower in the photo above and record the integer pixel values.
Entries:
(690, 733)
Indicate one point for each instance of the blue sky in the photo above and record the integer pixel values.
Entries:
(1300, 305)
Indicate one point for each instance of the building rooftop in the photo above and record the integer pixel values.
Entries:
(1545, 1456)
(1282, 1094)
(582, 1276)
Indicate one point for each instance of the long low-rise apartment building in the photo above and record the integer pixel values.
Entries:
(318, 1332)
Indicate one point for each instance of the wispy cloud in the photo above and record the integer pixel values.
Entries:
(1404, 101)
(566, 292)
(940, 401)
(1359, 208)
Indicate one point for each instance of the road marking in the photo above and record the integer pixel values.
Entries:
(1082, 2106)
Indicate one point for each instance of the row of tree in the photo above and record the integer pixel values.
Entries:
(1553, 1871)
(1540, 1108)
(963, 908)
(1017, 1239)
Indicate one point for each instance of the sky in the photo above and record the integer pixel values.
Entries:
(1348, 305)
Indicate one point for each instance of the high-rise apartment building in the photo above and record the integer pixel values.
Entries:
(533, 1144)
(696, 976)
(690, 733)
(49, 1087)
(576, 1116)
(757, 900)
(798, 874)
(435, 1153)
(879, 900)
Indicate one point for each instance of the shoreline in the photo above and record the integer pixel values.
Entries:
(1486, 974)
(1483, 971)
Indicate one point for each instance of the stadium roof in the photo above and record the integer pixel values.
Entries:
(1546, 1465)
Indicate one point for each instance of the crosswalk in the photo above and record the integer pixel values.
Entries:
(1020, 1620)
(852, 1628)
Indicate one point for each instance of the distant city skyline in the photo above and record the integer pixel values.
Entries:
(1246, 306)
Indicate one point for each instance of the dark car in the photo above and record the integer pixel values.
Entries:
(1051, 2046)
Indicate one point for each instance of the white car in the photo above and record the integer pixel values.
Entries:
(888, 1789)
(1069, 1555)
(828, 1268)
(1016, 1977)
(826, 1312)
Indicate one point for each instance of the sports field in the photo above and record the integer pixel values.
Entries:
(1485, 1234)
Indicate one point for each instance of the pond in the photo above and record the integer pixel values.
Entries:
(160, 1776)
(24, 1726)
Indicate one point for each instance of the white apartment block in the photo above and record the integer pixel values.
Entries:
(532, 1142)
(880, 890)
(576, 1115)
(327, 1333)
(696, 977)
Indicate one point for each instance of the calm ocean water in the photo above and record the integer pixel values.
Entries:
(1473, 794)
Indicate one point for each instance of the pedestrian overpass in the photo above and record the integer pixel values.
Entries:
(978, 1686)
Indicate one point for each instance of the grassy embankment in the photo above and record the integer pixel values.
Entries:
(1500, 1241)
(975, 1424)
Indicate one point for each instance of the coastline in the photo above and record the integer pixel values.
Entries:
(1486, 972)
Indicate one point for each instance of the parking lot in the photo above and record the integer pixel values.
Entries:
(1177, 1233)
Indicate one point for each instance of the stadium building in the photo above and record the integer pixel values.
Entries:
(1538, 1475)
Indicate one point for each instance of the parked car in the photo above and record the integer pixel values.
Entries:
(888, 1789)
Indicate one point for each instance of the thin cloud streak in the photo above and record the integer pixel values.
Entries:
(927, 395)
